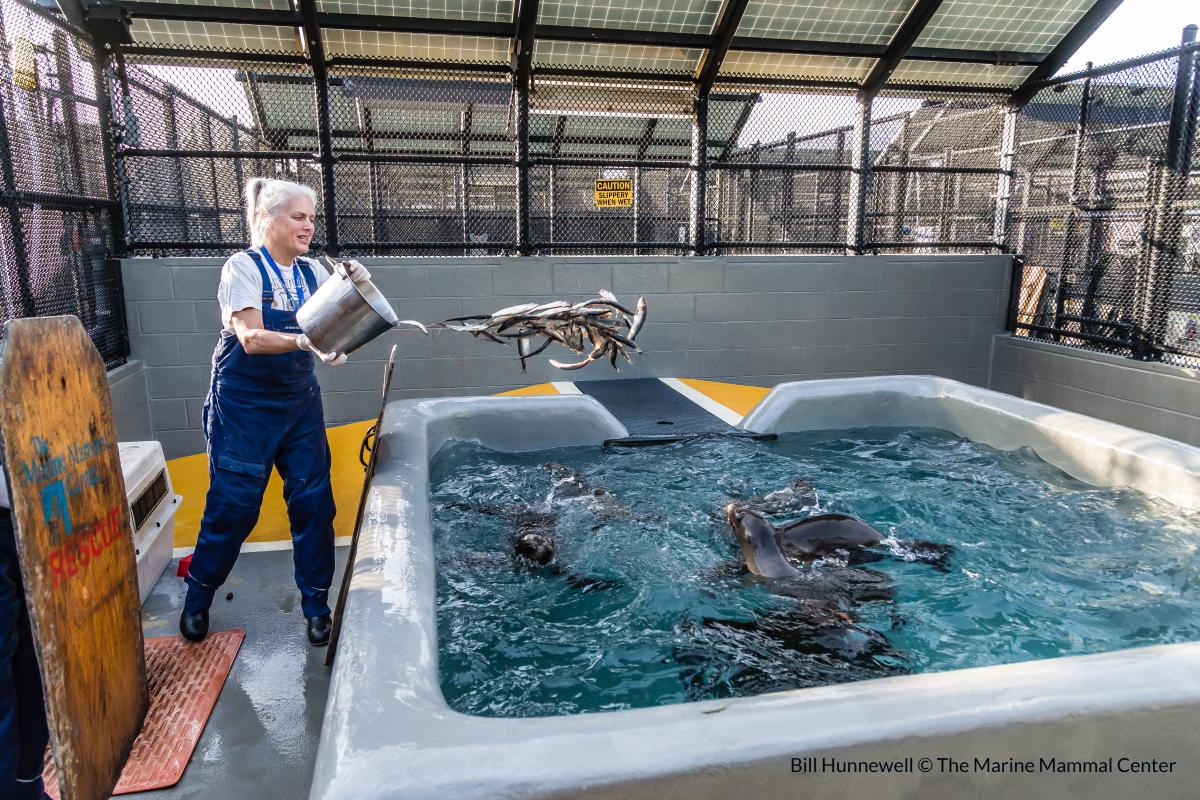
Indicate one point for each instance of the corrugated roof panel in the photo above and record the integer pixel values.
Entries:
(1016, 25)
(615, 56)
(856, 21)
(675, 16)
(415, 46)
(791, 65)
(474, 10)
(214, 35)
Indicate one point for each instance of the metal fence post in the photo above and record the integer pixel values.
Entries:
(172, 131)
(1163, 226)
(1004, 182)
(1081, 132)
(698, 164)
(125, 132)
(859, 168)
(238, 176)
(316, 52)
(521, 99)
(114, 171)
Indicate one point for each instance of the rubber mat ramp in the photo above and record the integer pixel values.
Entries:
(185, 680)
(649, 409)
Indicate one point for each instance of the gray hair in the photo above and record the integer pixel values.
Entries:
(264, 198)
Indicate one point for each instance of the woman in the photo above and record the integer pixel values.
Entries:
(264, 408)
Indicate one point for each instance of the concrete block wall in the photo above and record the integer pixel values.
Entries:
(1150, 397)
(130, 402)
(758, 320)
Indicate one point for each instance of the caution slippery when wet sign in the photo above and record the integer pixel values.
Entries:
(614, 193)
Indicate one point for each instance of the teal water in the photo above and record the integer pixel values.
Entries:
(644, 604)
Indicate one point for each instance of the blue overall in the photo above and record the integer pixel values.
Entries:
(23, 732)
(263, 410)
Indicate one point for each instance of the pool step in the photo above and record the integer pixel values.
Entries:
(653, 411)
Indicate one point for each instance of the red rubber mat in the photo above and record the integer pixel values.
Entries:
(185, 680)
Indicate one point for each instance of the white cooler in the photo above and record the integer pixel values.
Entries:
(152, 506)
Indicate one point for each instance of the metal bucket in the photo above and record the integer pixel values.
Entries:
(344, 315)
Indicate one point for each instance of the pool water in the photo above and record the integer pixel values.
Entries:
(645, 604)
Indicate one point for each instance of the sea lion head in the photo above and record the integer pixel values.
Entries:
(760, 547)
(535, 547)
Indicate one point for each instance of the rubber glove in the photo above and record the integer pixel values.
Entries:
(332, 359)
(354, 270)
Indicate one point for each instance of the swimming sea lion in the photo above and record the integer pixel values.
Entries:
(797, 496)
(760, 545)
(570, 484)
(812, 536)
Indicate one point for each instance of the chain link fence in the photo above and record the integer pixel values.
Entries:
(56, 244)
(1106, 210)
(429, 161)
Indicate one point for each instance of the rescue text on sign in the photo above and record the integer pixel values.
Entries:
(614, 193)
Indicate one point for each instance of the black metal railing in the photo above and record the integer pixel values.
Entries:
(466, 159)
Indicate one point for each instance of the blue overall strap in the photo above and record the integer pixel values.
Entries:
(268, 294)
(296, 301)
(310, 278)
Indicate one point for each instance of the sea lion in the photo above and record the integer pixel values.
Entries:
(814, 536)
(570, 484)
(759, 543)
(797, 496)
(840, 585)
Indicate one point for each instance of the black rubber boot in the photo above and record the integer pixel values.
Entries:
(319, 628)
(194, 627)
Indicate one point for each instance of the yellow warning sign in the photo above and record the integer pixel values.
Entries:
(24, 65)
(614, 193)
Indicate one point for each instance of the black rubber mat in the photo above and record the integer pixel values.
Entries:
(648, 408)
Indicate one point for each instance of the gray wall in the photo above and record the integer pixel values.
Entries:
(1150, 397)
(130, 402)
(758, 320)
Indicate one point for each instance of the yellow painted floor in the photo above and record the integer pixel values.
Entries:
(189, 475)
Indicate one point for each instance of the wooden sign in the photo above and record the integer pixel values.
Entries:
(72, 523)
(614, 194)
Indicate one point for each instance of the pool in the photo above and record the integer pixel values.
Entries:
(388, 731)
(644, 603)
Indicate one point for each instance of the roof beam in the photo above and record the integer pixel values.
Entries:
(727, 24)
(908, 33)
(73, 11)
(1055, 59)
(197, 13)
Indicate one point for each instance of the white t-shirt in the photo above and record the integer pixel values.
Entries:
(241, 286)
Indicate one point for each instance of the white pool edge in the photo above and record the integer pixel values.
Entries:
(393, 736)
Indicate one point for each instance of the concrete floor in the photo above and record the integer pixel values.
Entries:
(261, 739)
